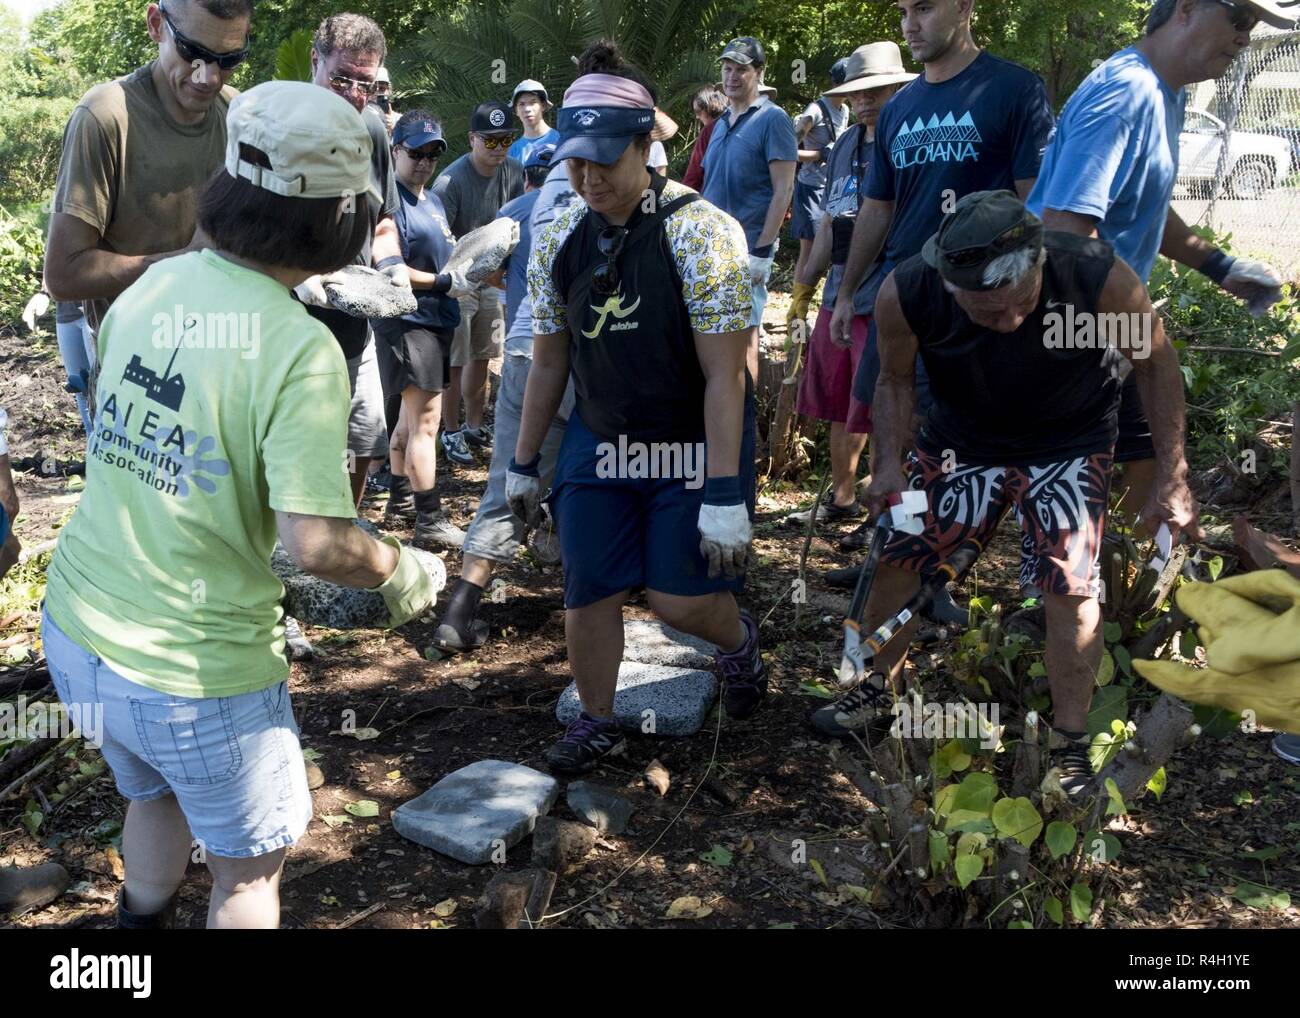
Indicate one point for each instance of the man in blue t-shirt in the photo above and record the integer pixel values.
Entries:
(749, 167)
(1111, 169)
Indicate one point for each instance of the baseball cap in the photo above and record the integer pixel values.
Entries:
(1270, 11)
(541, 155)
(600, 134)
(529, 85)
(840, 71)
(418, 133)
(382, 78)
(984, 226)
(290, 121)
(491, 117)
(744, 50)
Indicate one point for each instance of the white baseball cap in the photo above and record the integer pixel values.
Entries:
(316, 142)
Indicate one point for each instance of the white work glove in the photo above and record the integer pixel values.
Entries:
(724, 538)
(759, 268)
(1257, 283)
(461, 286)
(397, 274)
(524, 492)
(311, 291)
(36, 307)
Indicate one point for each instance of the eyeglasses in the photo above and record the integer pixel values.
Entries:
(609, 242)
(1243, 19)
(342, 84)
(1005, 242)
(497, 141)
(191, 51)
(421, 155)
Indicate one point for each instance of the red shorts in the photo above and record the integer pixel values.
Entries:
(826, 390)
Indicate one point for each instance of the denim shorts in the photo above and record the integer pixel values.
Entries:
(233, 762)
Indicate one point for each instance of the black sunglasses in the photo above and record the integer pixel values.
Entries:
(1243, 18)
(609, 242)
(416, 155)
(1008, 240)
(191, 51)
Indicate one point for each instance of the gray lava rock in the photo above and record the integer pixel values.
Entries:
(485, 248)
(367, 293)
(654, 643)
(473, 812)
(321, 603)
(599, 805)
(679, 699)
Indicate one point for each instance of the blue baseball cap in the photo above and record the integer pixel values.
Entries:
(600, 134)
(418, 133)
(542, 155)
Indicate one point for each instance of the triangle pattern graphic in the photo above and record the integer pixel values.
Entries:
(950, 129)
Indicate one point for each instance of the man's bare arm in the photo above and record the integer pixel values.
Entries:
(819, 255)
(79, 267)
(1070, 222)
(869, 233)
(894, 398)
(781, 172)
(1182, 245)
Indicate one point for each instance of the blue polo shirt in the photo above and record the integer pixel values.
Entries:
(521, 211)
(736, 175)
(1115, 157)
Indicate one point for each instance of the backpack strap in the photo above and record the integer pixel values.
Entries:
(828, 116)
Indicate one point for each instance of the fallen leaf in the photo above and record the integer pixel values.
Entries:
(445, 908)
(393, 775)
(718, 856)
(687, 907)
(333, 820)
(656, 774)
(363, 808)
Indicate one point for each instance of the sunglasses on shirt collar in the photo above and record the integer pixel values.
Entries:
(191, 51)
(609, 242)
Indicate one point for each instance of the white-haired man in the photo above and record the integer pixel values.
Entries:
(1024, 414)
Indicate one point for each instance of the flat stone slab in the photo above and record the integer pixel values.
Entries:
(653, 643)
(321, 603)
(680, 699)
(477, 811)
(600, 806)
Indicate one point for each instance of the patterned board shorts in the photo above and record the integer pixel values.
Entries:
(1061, 508)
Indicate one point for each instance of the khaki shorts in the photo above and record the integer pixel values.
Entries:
(482, 327)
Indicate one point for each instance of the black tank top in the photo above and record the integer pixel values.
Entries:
(1041, 394)
(632, 355)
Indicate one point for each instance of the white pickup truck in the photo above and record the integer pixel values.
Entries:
(1256, 163)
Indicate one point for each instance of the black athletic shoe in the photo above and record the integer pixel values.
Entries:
(478, 438)
(447, 637)
(844, 579)
(744, 678)
(859, 537)
(827, 512)
(1070, 756)
(586, 742)
(855, 710)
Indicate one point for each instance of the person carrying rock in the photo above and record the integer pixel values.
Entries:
(644, 294)
(1018, 419)
(161, 604)
(415, 351)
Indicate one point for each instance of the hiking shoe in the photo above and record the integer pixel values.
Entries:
(455, 449)
(479, 438)
(586, 742)
(744, 678)
(296, 646)
(859, 537)
(828, 512)
(855, 710)
(447, 637)
(378, 482)
(27, 888)
(843, 579)
(1287, 746)
(1069, 754)
(435, 530)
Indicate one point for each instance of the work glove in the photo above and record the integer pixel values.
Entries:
(311, 291)
(724, 527)
(410, 589)
(1250, 628)
(759, 268)
(1257, 283)
(396, 272)
(461, 286)
(524, 491)
(36, 307)
(800, 299)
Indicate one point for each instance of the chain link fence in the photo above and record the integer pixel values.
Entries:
(1239, 153)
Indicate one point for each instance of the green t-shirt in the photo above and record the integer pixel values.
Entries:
(220, 401)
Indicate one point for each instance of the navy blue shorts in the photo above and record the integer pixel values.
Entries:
(805, 210)
(1134, 442)
(620, 533)
(868, 373)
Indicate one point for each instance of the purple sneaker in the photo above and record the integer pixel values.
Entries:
(586, 742)
(744, 679)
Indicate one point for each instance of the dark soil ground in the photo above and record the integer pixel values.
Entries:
(1181, 857)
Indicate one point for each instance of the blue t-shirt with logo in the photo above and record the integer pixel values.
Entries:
(982, 130)
(523, 147)
(736, 175)
(521, 211)
(1115, 157)
(426, 245)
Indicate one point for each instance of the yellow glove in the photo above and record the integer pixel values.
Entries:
(1250, 627)
(799, 301)
(409, 591)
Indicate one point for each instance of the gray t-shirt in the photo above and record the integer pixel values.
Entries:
(819, 137)
(846, 174)
(472, 200)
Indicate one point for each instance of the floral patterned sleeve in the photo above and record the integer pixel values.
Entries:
(549, 312)
(713, 259)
